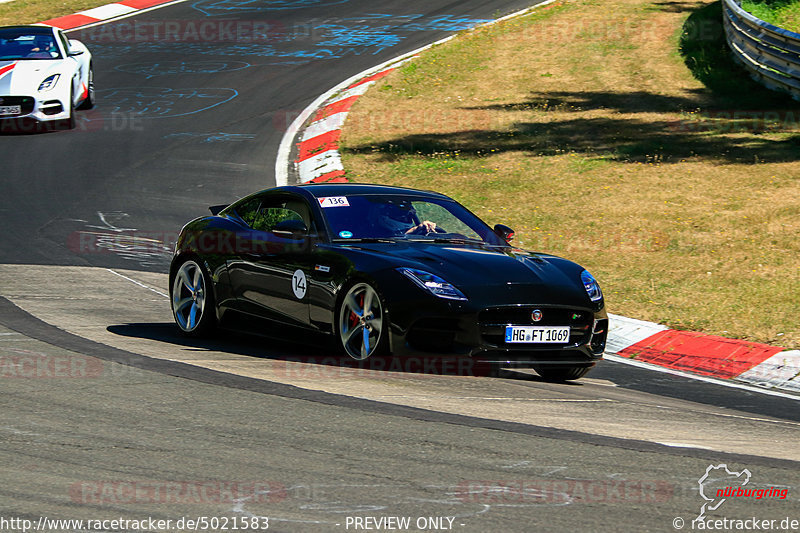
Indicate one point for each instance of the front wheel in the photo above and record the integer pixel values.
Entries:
(70, 122)
(192, 299)
(88, 102)
(562, 373)
(360, 328)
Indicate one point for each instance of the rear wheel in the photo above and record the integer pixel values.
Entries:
(192, 299)
(360, 327)
(562, 373)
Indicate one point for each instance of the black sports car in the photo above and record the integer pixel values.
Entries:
(387, 270)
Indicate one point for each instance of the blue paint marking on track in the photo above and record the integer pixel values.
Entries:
(359, 38)
(163, 68)
(214, 137)
(162, 102)
(236, 50)
(216, 8)
(418, 22)
(362, 35)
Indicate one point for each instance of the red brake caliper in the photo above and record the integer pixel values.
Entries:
(353, 316)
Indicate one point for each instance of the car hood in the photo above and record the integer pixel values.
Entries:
(489, 271)
(23, 77)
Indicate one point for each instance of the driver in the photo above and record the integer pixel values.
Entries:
(402, 220)
(42, 46)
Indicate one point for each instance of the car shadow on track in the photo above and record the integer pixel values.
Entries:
(23, 126)
(318, 351)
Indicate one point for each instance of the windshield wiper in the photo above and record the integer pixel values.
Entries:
(448, 240)
(365, 239)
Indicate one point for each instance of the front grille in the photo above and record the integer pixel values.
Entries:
(493, 322)
(25, 102)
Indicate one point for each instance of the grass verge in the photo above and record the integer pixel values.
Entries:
(618, 134)
(782, 13)
(33, 11)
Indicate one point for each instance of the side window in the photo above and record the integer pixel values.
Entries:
(263, 213)
(248, 210)
(269, 216)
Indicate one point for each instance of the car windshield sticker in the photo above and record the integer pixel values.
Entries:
(333, 201)
(345, 234)
(299, 284)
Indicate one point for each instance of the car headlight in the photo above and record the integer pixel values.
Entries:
(433, 283)
(49, 82)
(591, 286)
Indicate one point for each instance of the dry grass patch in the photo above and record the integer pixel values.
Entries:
(33, 11)
(620, 136)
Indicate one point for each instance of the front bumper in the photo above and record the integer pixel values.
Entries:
(31, 108)
(435, 325)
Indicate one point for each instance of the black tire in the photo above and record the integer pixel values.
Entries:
(89, 102)
(361, 309)
(70, 122)
(562, 373)
(191, 292)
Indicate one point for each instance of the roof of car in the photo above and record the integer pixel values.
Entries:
(32, 28)
(343, 189)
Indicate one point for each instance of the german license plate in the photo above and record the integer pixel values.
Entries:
(537, 334)
(6, 110)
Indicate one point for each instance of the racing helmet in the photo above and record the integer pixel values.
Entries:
(42, 46)
(396, 217)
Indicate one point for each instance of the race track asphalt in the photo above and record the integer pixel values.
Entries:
(106, 413)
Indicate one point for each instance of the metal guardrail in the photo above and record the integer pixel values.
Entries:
(771, 54)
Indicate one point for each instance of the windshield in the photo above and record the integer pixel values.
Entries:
(27, 43)
(404, 217)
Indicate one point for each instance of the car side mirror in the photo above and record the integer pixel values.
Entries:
(290, 229)
(76, 48)
(504, 232)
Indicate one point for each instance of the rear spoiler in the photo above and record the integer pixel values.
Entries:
(215, 209)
